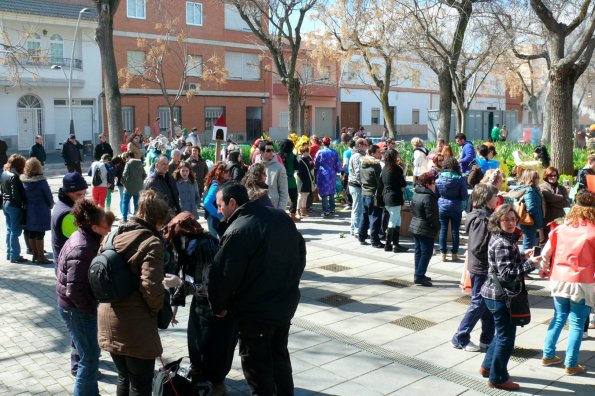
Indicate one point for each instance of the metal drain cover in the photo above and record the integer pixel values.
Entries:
(464, 299)
(413, 323)
(396, 282)
(336, 300)
(521, 354)
(335, 267)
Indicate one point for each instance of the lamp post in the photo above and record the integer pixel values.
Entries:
(69, 78)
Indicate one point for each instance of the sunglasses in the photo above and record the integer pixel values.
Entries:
(269, 150)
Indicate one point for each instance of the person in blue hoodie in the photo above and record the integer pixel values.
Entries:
(452, 192)
(467, 152)
(483, 159)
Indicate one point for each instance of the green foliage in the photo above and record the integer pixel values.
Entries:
(567, 180)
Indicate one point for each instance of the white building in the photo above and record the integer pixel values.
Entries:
(39, 104)
(413, 96)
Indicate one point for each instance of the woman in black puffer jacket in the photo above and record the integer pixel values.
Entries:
(394, 183)
(424, 225)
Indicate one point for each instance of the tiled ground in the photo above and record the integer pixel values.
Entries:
(350, 349)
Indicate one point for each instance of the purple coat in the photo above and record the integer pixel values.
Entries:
(72, 284)
(327, 165)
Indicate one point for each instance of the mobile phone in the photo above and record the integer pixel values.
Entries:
(537, 251)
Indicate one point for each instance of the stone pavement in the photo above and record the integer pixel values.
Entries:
(361, 329)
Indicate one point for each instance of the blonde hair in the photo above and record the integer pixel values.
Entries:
(33, 167)
(584, 210)
(416, 141)
(492, 176)
(528, 177)
(153, 209)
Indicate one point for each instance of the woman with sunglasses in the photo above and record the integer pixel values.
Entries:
(555, 198)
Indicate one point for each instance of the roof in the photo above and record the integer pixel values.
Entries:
(48, 8)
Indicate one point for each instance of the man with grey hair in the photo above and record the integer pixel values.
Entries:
(355, 185)
(165, 185)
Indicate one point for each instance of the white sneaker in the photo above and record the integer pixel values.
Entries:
(471, 347)
(483, 346)
(585, 335)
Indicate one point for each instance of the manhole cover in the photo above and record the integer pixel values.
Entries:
(521, 355)
(335, 267)
(464, 299)
(413, 323)
(547, 322)
(397, 283)
(336, 300)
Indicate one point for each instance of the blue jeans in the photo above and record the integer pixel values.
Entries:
(477, 310)
(394, 216)
(328, 203)
(212, 223)
(577, 313)
(454, 218)
(13, 230)
(83, 330)
(424, 248)
(126, 205)
(356, 208)
(371, 216)
(529, 237)
(498, 354)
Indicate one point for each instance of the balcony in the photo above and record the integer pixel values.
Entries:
(48, 61)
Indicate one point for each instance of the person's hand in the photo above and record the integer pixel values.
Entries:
(221, 314)
(174, 311)
(173, 281)
(529, 253)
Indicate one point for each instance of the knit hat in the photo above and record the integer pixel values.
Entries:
(73, 182)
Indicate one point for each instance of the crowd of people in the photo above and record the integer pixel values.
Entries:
(243, 271)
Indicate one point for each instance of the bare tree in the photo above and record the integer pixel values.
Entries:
(170, 67)
(370, 30)
(568, 62)
(16, 58)
(106, 9)
(436, 30)
(278, 26)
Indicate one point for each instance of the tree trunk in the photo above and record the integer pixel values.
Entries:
(172, 122)
(302, 118)
(293, 101)
(113, 100)
(388, 116)
(561, 89)
(445, 83)
(546, 136)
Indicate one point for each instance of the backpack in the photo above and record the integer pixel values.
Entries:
(109, 276)
(97, 177)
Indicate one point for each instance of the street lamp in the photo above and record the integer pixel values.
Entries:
(58, 67)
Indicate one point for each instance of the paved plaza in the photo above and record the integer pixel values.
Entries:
(361, 328)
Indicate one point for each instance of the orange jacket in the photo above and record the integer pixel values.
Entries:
(574, 253)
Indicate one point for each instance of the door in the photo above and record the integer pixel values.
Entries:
(30, 121)
(253, 123)
(350, 114)
(324, 121)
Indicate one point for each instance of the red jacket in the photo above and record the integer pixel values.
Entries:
(574, 253)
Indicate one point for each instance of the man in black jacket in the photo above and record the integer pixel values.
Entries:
(255, 278)
(71, 152)
(37, 150)
(103, 148)
(162, 182)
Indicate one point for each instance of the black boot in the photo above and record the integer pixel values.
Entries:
(389, 239)
(398, 248)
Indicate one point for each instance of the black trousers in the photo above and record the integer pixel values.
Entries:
(135, 376)
(74, 168)
(211, 342)
(293, 196)
(265, 358)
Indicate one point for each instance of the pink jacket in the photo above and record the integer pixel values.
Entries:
(573, 258)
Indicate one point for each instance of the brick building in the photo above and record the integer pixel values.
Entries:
(210, 28)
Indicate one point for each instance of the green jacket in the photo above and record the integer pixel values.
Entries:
(496, 137)
(291, 164)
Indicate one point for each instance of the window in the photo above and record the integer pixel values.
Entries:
(56, 49)
(87, 102)
(283, 119)
(164, 123)
(375, 120)
(136, 62)
(60, 102)
(193, 13)
(211, 116)
(128, 118)
(194, 66)
(233, 20)
(415, 117)
(242, 66)
(325, 72)
(136, 9)
(34, 45)
(307, 73)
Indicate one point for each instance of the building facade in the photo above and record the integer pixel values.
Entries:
(35, 93)
(209, 28)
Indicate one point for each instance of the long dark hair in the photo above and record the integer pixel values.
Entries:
(390, 159)
(452, 165)
(542, 155)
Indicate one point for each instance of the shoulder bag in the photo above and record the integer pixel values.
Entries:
(524, 216)
(518, 304)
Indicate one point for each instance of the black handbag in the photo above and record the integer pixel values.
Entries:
(165, 314)
(518, 304)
